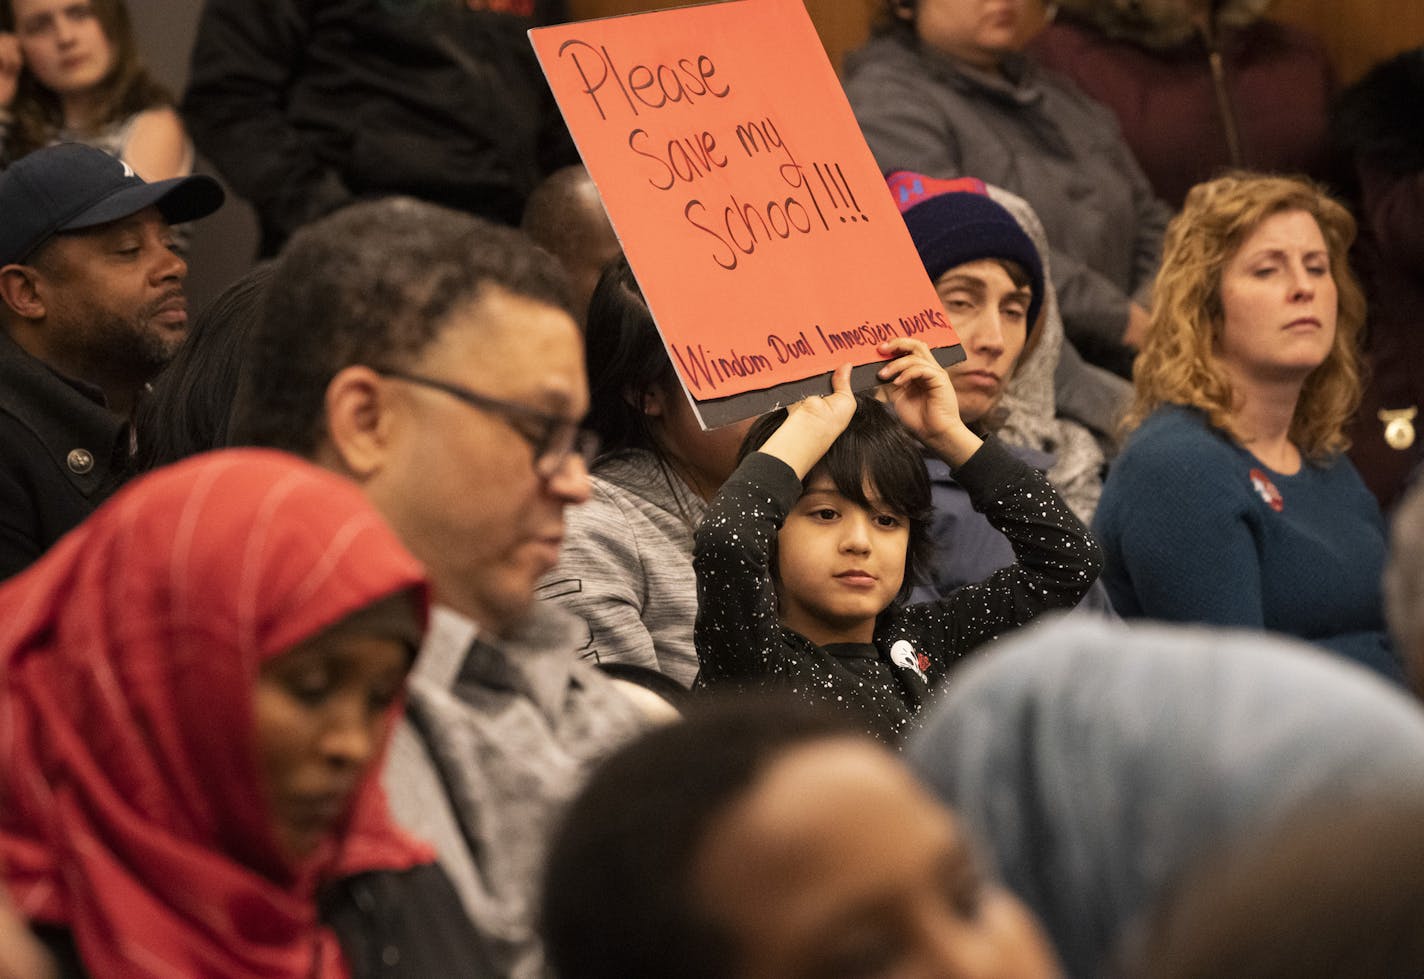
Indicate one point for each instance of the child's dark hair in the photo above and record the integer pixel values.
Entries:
(874, 448)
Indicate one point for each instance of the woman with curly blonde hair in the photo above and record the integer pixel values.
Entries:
(1233, 502)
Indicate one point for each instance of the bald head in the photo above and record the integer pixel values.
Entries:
(565, 217)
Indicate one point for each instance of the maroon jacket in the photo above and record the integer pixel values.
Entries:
(1277, 79)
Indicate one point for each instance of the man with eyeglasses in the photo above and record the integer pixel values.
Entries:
(432, 357)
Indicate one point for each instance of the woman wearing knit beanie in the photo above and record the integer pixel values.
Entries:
(991, 277)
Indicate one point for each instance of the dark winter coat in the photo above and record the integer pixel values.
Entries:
(1376, 129)
(62, 451)
(307, 105)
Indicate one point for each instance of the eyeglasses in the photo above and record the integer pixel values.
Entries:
(552, 437)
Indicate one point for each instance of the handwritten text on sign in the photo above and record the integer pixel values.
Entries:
(750, 208)
(684, 159)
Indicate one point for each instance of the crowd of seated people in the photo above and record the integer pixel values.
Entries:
(394, 615)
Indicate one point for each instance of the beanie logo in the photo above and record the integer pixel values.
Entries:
(910, 188)
(917, 188)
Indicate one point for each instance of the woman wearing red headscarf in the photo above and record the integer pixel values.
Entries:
(196, 686)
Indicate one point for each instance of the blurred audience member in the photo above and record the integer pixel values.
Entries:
(1336, 893)
(431, 357)
(808, 555)
(1233, 502)
(756, 840)
(198, 685)
(565, 217)
(990, 278)
(991, 281)
(1404, 585)
(306, 107)
(1377, 132)
(626, 565)
(1102, 762)
(92, 308)
(944, 89)
(189, 405)
(70, 73)
(1056, 402)
(1198, 86)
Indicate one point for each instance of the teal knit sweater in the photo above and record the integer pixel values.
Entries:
(1195, 529)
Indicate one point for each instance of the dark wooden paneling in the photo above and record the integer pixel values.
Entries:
(1358, 33)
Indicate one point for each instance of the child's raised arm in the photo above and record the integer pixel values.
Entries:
(812, 424)
(923, 397)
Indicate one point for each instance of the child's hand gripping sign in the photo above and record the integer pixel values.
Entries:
(745, 198)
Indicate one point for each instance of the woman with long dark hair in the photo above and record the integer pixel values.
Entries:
(626, 565)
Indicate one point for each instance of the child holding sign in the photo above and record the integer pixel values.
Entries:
(810, 549)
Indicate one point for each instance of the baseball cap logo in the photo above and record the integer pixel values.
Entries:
(71, 187)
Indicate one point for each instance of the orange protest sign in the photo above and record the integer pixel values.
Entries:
(757, 222)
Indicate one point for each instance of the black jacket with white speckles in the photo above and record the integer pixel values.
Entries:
(742, 644)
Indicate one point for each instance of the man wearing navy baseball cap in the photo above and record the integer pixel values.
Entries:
(91, 307)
